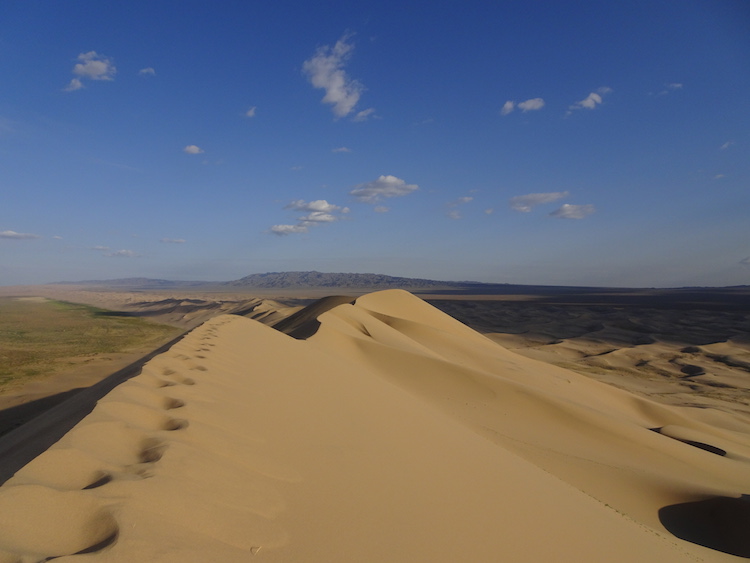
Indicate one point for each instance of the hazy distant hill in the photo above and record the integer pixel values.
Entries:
(139, 283)
(291, 280)
(286, 280)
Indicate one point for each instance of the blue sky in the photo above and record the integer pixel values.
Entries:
(573, 143)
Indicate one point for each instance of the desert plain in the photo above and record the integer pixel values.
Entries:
(389, 426)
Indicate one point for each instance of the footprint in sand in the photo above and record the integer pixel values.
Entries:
(64, 523)
(116, 443)
(65, 469)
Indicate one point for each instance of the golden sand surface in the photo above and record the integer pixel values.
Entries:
(390, 431)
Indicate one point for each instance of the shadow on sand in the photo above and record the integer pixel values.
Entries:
(720, 523)
(32, 428)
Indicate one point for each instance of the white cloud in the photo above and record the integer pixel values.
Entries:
(325, 70)
(57, 237)
(383, 187)
(364, 115)
(94, 67)
(123, 254)
(100, 248)
(251, 112)
(173, 240)
(726, 145)
(282, 230)
(91, 66)
(341, 149)
(147, 72)
(192, 149)
(74, 85)
(531, 105)
(718, 176)
(318, 217)
(317, 205)
(526, 202)
(319, 212)
(489, 211)
(592, 100)
(568, 211)
(381, 209)
(18, 236)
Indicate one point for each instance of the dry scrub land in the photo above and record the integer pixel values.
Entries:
(43, 340)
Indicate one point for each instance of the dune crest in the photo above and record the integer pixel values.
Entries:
(393, 432)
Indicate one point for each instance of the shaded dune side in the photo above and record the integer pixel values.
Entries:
(392, 433)
(304, 323)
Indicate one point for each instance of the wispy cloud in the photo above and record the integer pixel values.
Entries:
(325, 70)
(592, 100)
(568, 211)
(251, 112)
(193, 149)
(526, 203)
(381, 209)
(100, 248)
(670, 88)
(364, 115)
(726, 145)
(453, 207)
(18, 236)
(317, 205)
(73, 85)
(147, 72)
(533, 104)
(283, 230)
(384, 187)
(173, 240)
(341, 149)
(123, 254)
(91, 66)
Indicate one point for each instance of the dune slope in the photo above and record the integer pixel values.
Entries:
(393, 433)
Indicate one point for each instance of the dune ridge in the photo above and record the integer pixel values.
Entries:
(391, 432)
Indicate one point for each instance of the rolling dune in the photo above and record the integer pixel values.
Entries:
(391, 433)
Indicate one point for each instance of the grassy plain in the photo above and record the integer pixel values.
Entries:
(42, 337)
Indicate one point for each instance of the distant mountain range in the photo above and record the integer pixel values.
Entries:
(288, 280)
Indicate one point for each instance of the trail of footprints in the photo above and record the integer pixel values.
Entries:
(49, 509)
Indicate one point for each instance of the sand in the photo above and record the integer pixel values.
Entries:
(393, 432)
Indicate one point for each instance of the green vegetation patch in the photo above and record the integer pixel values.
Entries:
(40, 337)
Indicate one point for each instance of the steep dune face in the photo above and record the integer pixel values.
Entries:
(393, 433)
(627, 451)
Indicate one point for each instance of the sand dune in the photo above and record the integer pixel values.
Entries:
(392, 433)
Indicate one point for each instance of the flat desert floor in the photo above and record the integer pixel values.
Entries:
(380, 428)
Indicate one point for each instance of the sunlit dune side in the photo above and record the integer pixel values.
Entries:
(391, 433)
